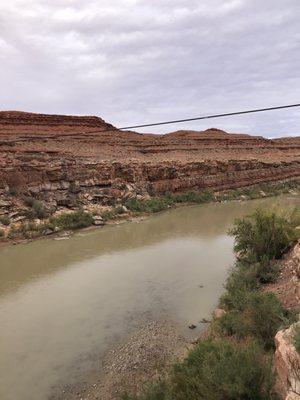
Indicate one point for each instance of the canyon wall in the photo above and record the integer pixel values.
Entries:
(66, 161)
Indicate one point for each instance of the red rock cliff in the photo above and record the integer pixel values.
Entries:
(63, 159)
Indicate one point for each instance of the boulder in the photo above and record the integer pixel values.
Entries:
(48, 231)
(287, 364)
(98, 220)
(218, 313)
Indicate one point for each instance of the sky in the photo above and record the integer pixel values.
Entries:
(141, 61)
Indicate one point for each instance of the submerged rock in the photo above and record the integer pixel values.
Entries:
(205, 321)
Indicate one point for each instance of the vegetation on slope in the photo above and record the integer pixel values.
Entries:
(235, 361)
(39, 221)
(157, 204)
(35, 209)
(74, 220)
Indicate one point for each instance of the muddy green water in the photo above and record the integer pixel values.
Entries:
(63, 303)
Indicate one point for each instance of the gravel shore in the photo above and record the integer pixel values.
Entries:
(145, 356)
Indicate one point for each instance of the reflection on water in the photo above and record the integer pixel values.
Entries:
(62, 303)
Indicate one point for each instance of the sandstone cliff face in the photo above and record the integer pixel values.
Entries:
(64, 160)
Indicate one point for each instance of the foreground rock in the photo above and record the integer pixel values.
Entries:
(287, 286)
(287, 364)
(287, 359)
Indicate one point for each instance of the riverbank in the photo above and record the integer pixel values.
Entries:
(27, 226)
(148, 355)
(86, 295)
(145, 355)
(236, 359)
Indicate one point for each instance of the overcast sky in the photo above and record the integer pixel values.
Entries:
(139, 61)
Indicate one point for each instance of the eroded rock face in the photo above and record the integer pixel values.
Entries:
(287, 286)
(287, 364)
(67, 160)
(287, 359)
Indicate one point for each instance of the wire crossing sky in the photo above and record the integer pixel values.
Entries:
(141, 60)
(213, 116)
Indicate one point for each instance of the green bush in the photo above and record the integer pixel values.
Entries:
(261, 317)
(222, 370)
(30, 213)
(1, 233)
(72, 187)
(263, 236)
(26, 229)
(5, 220)
(155, 204)
(239, 285)
(36, 210)
(135, 205)
(295, 217)
(75, 220)
(119, 210)
(30, 229)
(28, 201)
(266, 271)
(216, 371)
(109, 214)
(157, 391)
(39, 210)
(106, 215)
(297, 337)
(194, 197)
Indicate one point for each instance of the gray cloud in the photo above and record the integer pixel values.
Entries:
(136, 61)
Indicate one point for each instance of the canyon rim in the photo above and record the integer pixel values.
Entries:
(71, 161)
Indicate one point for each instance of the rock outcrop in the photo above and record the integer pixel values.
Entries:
(287, 359)
(287, 364)
(66, 160)
(287, 286)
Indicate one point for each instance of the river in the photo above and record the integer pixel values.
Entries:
(64, 303)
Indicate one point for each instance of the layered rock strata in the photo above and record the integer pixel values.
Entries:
(66, 161)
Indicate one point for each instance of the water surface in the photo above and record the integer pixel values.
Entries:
(63, 303)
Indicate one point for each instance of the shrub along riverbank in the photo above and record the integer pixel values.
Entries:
(235, 360)
(72, 220)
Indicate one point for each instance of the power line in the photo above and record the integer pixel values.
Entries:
(211, 116)
(195, 118)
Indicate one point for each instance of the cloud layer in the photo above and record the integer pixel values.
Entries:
(139, 61)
